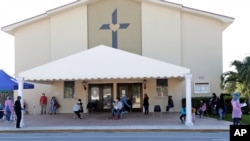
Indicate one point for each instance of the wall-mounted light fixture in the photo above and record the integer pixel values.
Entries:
(144, 83)
(84, 85)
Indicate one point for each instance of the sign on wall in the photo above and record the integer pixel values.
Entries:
(201, 87)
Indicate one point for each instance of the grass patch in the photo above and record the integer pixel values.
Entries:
(228, 117)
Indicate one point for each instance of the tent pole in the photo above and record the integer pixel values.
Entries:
(20, 93)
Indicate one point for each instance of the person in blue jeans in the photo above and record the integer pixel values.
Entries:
(124, 100)
(183, 114)
(117, 108)
(221, 106)
(8, 110)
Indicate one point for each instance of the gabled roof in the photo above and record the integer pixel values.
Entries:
(226, 21)
(103, 62)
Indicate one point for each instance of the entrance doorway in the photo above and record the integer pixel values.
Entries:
(101, 95)
(132, 91)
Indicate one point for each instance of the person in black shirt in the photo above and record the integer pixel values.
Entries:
(81, 106)
(18, 110)
(145, 104)
(213, 103)
(221, 106)
(170, 103)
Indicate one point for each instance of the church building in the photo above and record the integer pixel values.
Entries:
(97, 50)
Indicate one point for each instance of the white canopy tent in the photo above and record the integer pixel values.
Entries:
(103, 62)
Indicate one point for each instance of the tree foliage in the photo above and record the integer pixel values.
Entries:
(238, 80)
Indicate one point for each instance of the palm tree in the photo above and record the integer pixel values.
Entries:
(237, 80)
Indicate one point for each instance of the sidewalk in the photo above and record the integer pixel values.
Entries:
(103, 122)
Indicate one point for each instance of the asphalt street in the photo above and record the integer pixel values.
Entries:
(117, 136)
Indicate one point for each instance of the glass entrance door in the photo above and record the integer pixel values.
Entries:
(106, 98)
(100, 95)
(134, 92)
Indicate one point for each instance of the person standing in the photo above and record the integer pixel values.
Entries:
(8, 110)
(236, 113)
(18, 110)
(213, 103)
(52, 107)
(193, 113)
(221, 106)
(145, 104)
(124, 100)
(43, 103)
(183, 113)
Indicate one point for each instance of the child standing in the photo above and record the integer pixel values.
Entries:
(193, 113)
(183, 114)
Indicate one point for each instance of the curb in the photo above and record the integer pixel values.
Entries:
(116, 129)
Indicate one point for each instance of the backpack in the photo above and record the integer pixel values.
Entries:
(56, 104)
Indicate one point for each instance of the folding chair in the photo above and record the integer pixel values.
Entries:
(172, 108)
(157, 109)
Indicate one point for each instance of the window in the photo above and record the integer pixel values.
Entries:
(201, 87)
(161, 87)
(69, 89)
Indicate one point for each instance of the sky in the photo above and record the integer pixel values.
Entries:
(236, 45)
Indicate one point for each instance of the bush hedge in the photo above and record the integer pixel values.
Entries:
(196, 103)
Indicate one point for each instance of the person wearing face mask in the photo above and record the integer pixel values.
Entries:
(8, 110)
(203, 108)
(236, 111)
(117, 109)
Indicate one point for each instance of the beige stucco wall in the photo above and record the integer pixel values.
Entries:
(67, 103)
(68, 32)
(202, 50)
(51, 39)
(32, 96)
(32, 45)
(189, 40)
(161, 33)
(155, 31)
(175, 90)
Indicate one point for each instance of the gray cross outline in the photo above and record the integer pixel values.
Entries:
(114, 27)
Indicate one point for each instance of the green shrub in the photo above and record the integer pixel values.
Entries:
(227, 98)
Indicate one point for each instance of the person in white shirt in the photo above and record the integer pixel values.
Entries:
(117, 108)
(76, 109)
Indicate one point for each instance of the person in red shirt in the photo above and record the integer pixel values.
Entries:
(43, 103)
